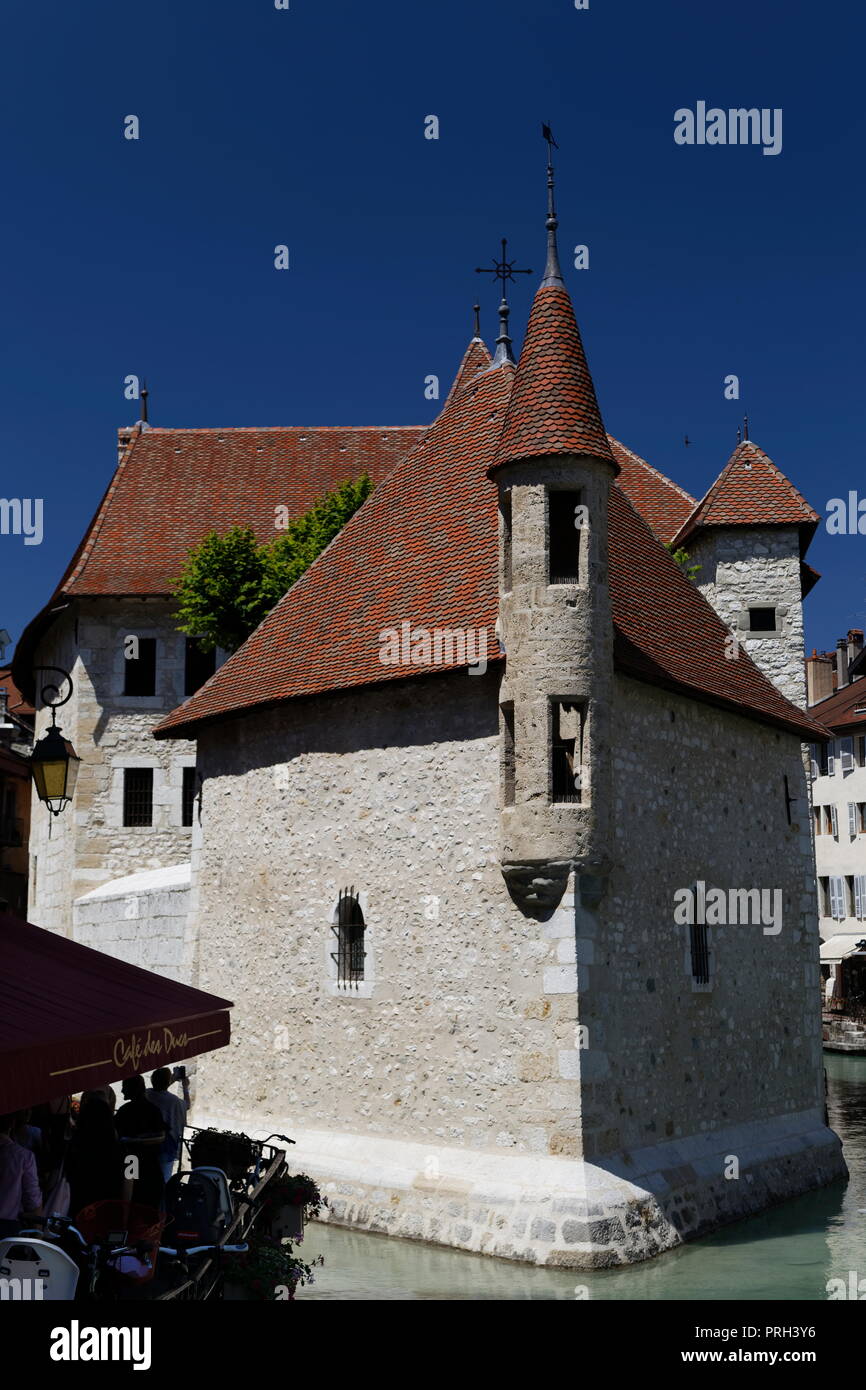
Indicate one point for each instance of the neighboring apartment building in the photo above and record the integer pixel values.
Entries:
(839, 819)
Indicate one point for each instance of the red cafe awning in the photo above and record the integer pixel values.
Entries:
(72, 1018)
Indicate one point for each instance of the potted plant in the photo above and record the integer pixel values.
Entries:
(268, 1272)
(222, 1148)
(287, 1201)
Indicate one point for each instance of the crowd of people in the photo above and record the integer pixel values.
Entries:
(59, 1158)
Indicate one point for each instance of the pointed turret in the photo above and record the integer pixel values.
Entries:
(750, 491)
(553, 407)
(749, 536)
(554, 468)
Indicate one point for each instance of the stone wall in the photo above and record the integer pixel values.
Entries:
(142, 919)
(89, 844)
(544, 1088)
(745, 566)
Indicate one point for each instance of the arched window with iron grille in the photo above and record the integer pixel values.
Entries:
(348, 928)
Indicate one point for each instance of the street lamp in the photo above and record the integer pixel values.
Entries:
(54, 762)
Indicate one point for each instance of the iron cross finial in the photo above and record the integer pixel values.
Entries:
(503, 269)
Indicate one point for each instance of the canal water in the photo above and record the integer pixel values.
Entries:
(789, 1253)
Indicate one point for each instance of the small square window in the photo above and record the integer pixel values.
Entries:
(762, 620)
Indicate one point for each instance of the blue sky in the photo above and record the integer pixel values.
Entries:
(306, 127)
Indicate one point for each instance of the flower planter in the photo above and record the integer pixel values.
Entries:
(287, 1222)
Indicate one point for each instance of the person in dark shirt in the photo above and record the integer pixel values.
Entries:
(93, 1156)
(142, 1133)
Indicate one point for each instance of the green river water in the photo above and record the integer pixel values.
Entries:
(789, 1253)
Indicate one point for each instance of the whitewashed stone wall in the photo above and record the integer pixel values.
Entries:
(89, 845)
(547, 1090)
(142, 919)
(743, 567)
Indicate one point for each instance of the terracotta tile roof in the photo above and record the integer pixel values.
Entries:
(750, 491)
(476, 359)
(423, 550)
(667, 633)
(839, 710)
(553, 408)
(174, 485)
(15, 702)
(660, 502)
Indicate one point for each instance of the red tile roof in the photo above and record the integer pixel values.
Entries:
(172, 486)
(750, 491)
(667, 633)
(423, 550)
(839, 710)
(660, 502)
(15, 702)
(553, 409)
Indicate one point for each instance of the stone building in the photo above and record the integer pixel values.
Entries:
(750, 535)
(109, 623)
(468, 794)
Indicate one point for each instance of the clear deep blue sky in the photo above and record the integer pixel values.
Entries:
(306, 127)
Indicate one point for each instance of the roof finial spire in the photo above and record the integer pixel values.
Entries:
(739, 435)
(502, 270)
(144, 395)
(745, 426)
(552, 272)
(476, 309)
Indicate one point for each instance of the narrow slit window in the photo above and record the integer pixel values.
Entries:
(566, 752)
(139, 672)
(349, 931)
(564, 538)
(508, 762)
(505, 513)
(138, 796)
(198, 666)
(700, 952)
(188, 796)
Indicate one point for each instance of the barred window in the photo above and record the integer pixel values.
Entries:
(349, 931)
(187, 802)
(138, 796)
(700, 950)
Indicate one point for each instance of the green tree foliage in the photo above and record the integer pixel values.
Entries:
(683, 559)
(230, 582)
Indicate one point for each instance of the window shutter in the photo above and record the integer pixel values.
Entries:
(852, 819)
(831, 758)
(859, 895)
(834, 822)
(846, 748)
(813, 760)
(837, 899)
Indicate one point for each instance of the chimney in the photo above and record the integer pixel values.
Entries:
(841, 663)
(855, 643)
(819, 677)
